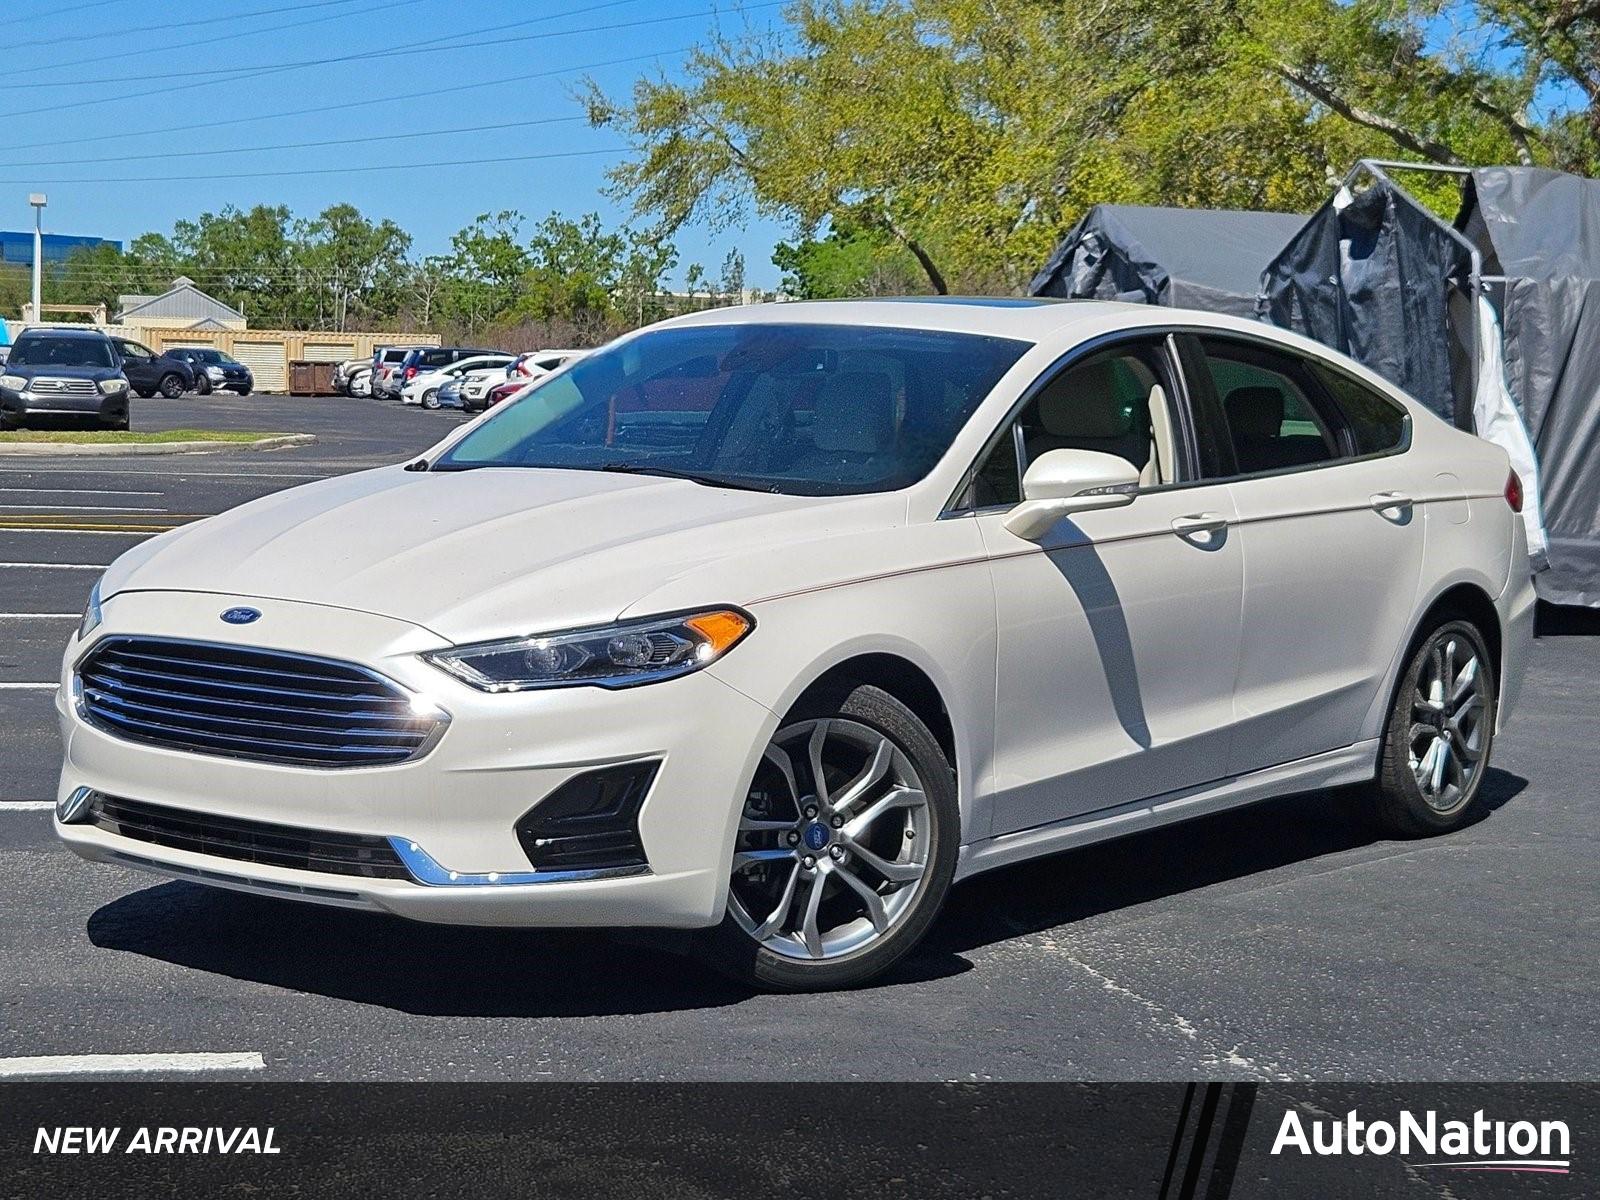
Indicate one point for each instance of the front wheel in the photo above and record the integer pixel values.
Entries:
(171, 387)
(1440, 731)
(202, 385)
(846, 847)
(430, 398)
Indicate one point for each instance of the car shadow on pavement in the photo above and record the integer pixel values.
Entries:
(1049, 893)
(439, 970)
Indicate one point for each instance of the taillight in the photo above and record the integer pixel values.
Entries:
(1514, 492)
(411, 372)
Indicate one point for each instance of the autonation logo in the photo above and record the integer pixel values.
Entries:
(1476, 1145)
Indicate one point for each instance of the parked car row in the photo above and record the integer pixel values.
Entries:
(465, 377)
(83, 373)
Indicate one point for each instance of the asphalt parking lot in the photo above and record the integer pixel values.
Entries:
(1283, 942)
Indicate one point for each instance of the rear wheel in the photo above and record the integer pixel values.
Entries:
(430, 398)
(171, 387)
(846, 847)
(202, 385)
(1439, 734)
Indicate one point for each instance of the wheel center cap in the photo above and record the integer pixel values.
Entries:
(816, 836)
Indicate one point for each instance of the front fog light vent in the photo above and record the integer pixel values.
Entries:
(591, 822)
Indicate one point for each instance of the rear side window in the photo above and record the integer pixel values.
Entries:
(1377, 424)
(1266, 398)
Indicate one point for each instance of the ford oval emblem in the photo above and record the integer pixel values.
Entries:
(241, 616)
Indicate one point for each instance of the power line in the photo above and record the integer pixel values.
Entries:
(341, 170)
(244, 73)
(166, 25)
(235, 74)
(177, 47)
(123, 135)
(387, 137)
(59, 12)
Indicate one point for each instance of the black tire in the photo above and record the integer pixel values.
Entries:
(118, 425)
(1401, 804)
(430, 398)
(729, 948)
(8, 423)
(170, 386)
(202, 385)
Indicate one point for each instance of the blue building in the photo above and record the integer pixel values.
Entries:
(17, 247)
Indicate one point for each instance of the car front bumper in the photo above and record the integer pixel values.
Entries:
(101, 406)
(457, 805)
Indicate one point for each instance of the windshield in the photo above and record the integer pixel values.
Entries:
(62, 352)
(213, 356)
(817, 410)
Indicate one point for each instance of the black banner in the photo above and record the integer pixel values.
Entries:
(1163, 1141)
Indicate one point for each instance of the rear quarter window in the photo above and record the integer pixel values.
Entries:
(1377, 424)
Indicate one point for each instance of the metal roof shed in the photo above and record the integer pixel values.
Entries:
(1210, 259)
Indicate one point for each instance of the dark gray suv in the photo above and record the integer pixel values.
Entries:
(59, 373)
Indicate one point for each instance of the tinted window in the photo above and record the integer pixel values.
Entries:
(61, 352)
(1272, 422)
(1376, 423)
(801, 409)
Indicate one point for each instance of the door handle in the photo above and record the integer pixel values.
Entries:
(1206, 522)
(1386, 500)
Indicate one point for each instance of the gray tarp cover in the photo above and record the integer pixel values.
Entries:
(1370, 275)
(1541, 229)
(1185, 257)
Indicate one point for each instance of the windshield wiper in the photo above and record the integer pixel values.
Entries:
(716, 481)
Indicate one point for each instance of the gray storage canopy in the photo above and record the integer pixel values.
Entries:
(1538, 233)
(1185, 257)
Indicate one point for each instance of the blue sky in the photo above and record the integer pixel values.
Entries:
(117, 70)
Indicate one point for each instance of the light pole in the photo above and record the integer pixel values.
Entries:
(38, 200)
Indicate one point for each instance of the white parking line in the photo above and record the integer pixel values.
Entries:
(55, 491)
(39, 616)
(56, 566)
(93, 532)
(118, 508)
(28, 687)
(126, 1064)
(26, 805)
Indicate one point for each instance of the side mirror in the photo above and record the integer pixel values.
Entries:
(1063, 482)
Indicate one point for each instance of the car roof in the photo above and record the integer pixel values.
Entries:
(1026, 317)
(59, 331)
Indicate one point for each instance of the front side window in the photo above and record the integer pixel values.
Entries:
(1272, 422)
(61, 352)
(1115, 402)
(797, 409)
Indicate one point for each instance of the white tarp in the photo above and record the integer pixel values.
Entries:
(1495, 416)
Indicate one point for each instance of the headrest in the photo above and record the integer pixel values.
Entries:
(1254, 413)
(854, 413)
(1085, 403)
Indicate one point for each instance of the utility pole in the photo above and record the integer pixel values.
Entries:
(38, 200)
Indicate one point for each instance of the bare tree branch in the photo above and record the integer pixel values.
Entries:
(1411, 140)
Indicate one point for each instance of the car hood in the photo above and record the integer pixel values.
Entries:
(52, 371)
(480, 554)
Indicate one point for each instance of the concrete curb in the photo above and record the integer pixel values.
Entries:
(57, 449)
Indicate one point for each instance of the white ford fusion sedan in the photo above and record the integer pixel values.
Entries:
(776, 622)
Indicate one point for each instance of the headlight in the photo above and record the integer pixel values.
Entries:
(91, 614)
(15, 382)
(214, 372)
(610, 656)
(112, 386)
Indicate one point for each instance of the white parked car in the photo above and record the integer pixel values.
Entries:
(423, 389)
(776, 622)
(359, 381)
(537, 363)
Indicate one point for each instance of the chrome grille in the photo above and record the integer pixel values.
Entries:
(238, 702)
(66, 387)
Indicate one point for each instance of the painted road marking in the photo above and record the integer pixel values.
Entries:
(26, 805)
(116, 508)
(55, 491)
(28, 687)
(39, 616)
(126, 1064)
(55, 566)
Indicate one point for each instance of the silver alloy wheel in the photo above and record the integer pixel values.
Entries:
(1445, 747)
(833, 842)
